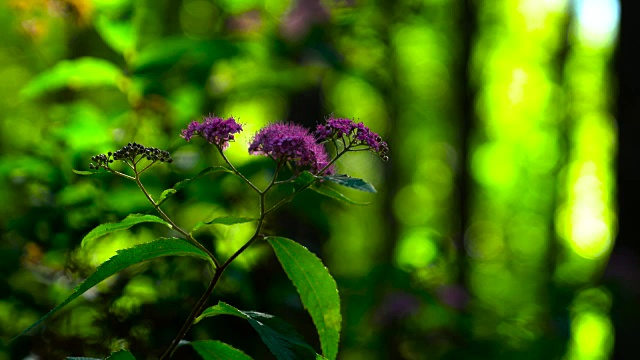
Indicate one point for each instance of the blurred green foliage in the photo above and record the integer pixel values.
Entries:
(495, 215)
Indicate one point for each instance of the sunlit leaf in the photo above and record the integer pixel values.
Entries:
(125, 258)
(117, 33)
(223, 220)
(91, 172)
(317, 288)
(216, 350)
(78, 73)
(179, 185)
(281, 338)
(113, 21)
(128, 222)
(348, 181)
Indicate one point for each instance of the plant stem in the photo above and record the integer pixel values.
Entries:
(194, 313)
(233, 168)
(200, 305)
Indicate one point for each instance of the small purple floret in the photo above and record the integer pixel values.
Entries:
(356, 133)
(215, 130)
(290, 142)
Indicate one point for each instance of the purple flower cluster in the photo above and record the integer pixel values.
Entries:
(357, 134)
(215, 130)
(291, 142)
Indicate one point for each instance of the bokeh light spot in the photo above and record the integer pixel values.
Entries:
(416, 249)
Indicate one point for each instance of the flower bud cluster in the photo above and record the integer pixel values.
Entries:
(356, 134)
(131, 152)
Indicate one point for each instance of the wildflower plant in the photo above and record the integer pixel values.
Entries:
(296, 151)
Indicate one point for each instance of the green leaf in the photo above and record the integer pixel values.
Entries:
(223, 220)
(117, 33)
(78, 73)
(281, 338)
(128, 222)
(305, 178)
(348, 181)
(318, 290)
(90, 172)
(216, 350)
(335, 194)
(179, 185)
(122, 260)
(121, 355)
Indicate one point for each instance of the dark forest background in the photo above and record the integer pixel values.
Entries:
(503, 226)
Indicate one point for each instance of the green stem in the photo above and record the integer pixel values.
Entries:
(194, 313)
(121, 174)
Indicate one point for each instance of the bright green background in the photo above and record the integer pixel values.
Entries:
(495, 215)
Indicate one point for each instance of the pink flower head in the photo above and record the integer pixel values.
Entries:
(290, 142)
(215, 130)
(357, 134)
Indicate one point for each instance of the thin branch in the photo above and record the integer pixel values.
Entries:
(233, 168)
(188, 236)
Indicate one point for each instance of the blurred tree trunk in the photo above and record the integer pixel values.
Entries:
(622, 269)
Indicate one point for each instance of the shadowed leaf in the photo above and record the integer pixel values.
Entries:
(216, 350)
(281, 338)
(348, 181)
(336, 195)
(323, 189)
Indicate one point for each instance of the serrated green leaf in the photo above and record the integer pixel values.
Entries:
(217, 350)
(348, 181)
(179, 185)
(128, 222)
(281, 338)
(90, 172)
(122, 260)
(223, 220)
(316, 287)
(78, 73)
